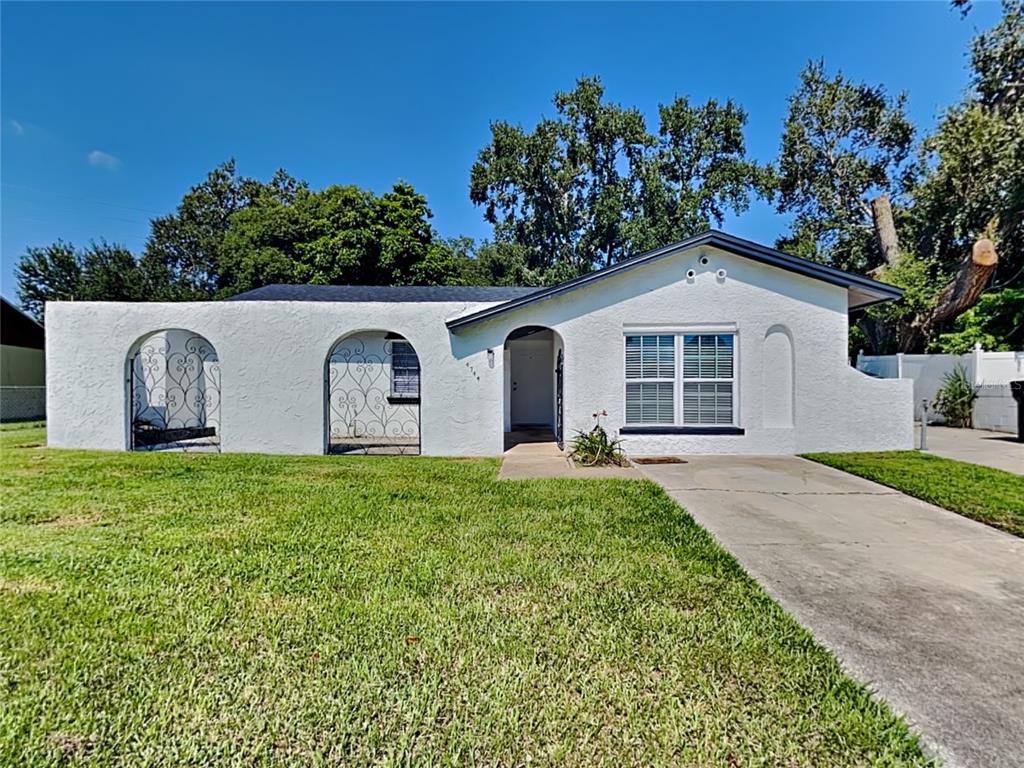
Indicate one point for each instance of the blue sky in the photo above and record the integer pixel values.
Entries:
(111, 111)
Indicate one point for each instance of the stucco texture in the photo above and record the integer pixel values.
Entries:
(272, 359)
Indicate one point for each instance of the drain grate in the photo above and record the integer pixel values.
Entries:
(659, 460)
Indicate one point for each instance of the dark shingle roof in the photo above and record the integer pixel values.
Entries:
(18, 329)
(386, 293)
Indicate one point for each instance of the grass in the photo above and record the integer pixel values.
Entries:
(987, 495)
(168, 609)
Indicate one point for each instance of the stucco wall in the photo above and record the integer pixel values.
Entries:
(272, 365)
(834, 406)
(272, 357)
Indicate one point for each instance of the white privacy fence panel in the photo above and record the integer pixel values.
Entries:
(991, 372)
(996, 368)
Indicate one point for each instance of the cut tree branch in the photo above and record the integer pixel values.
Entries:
(962, 293)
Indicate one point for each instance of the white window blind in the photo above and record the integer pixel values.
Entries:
(702, 386)
(405, 370)
(708, 378)
(650, 379)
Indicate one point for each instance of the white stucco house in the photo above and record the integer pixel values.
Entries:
(711, 345)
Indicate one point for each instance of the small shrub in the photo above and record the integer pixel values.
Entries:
(595, 448)
(955, 400)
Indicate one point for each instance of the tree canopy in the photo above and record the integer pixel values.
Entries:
(60, 272)
(942, 217)
(592, 185)
(843, 144)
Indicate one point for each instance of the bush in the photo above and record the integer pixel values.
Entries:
(955, 400)
(595, 448)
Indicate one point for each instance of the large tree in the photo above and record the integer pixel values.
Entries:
(564, 191)
(941, 227)
(968, 212)
(182, 255)
(844, 145)
(60, 272)
(337, 235)
(696, 173)
(591, 186)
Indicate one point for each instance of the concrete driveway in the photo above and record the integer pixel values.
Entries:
(990, 449)
(923, 605)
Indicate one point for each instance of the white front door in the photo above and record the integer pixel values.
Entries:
(533, 388)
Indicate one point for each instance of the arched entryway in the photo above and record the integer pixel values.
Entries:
(174, 393)
(534, 360)
(372, 395)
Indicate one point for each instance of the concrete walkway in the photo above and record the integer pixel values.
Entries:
(539, 460)
(923, 605)
(990, 449)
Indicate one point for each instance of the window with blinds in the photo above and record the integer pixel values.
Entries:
(405, 370)
(708, 378)
(650, 379)
(702, 387)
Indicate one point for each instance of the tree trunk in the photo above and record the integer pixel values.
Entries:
(885, 230)
(962, 293)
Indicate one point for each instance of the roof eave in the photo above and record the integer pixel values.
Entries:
(712, 238)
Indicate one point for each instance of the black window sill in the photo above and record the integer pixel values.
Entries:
(708, 430)
(403, 400)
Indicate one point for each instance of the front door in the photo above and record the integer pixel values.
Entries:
(532, 384)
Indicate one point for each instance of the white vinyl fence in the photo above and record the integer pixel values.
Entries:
(991, 372)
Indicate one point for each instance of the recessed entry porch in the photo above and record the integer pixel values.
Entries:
(534, 363)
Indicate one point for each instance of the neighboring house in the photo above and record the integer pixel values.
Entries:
(22, 365)
(711, 345)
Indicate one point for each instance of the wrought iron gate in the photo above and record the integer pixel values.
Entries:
(373, 398)
(559, 421)
(174, 382)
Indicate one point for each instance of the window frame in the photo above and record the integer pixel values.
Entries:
(405, 397)
(678, 332)
(673, 380)
(683, 381)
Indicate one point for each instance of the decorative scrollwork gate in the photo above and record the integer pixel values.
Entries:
(174, 381)
(373, 394)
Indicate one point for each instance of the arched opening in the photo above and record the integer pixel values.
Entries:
(372, 395)
(174, 393)
(534, 363)
(779, 377)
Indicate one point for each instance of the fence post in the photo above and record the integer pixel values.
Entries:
(899, 365)
(860, 360)
(978, 352)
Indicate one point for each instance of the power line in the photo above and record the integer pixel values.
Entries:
(82, 199)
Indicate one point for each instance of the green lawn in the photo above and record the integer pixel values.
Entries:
(988, 495)
(160, 609)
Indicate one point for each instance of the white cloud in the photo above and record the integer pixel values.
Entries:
(100, 159)
(17, 127)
